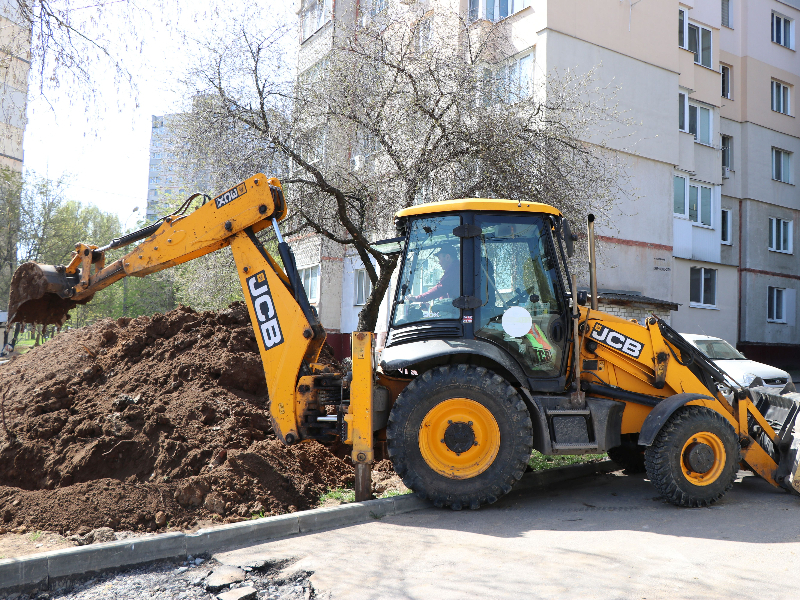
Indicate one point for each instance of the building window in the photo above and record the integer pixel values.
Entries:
(702, 287)
(782, 30)
(725, 226)
(155, 180)
(682, 111)
(494, 10)
(780, 235)
(726, 81)
(699, 43)
(776, 307)
(780, 97)
(310, 278)
(781, 160)
(700, 204)
(700, 123)
(679, 195)
(726, 144)
(422, 35)
(692, 199)
(314, 15)
(510, 82)
(726, 13)
(363, 286)
(153, 193)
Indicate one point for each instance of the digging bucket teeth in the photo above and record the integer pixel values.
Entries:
(41, 294)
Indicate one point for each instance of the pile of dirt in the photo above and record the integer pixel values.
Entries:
(140, 424)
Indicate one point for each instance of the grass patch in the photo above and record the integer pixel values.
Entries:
(393, 493)
(343, 495)
(540, 462)
(36, 535)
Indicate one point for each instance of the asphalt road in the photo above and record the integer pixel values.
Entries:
(606, 537)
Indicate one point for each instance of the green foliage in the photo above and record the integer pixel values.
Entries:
(540, 462)
(343, 495)
(36, 535)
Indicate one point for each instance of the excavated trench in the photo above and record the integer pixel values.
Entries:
(140, 424)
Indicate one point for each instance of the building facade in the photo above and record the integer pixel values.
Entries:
(15, 63)
(704, 234)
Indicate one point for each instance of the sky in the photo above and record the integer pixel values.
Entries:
(103, 147)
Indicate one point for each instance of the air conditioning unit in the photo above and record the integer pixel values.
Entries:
(726, 172)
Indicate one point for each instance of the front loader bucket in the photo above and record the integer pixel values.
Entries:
(41, 294)
(781, 411)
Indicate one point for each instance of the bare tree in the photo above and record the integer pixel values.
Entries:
(400, 112)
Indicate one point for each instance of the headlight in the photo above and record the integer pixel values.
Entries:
(748, 379)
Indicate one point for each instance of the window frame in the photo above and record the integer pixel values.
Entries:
(772, 303)
(725, 222)
(313, 298)
(698, 107)
(314, 15)
(496, 87)
(702, 303)
(782, 30)
(726, 151)
(725, 81)
(780, 97)
(683, 112)
(784, 159)
(776, 230)
(360, 275)
(725, 7)
(700, 55)
(687, 185)
(480, 10)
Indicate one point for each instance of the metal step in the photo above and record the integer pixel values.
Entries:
(574, 446)
(567, 412)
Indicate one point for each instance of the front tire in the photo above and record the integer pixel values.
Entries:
(694, 458)
(460, 436)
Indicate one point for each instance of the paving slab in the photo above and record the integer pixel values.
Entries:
(607, 537)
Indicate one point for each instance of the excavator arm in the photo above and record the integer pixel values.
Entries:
(286, 326)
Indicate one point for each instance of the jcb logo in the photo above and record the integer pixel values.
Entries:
(230, 195)
(614, 339)
(265, 310)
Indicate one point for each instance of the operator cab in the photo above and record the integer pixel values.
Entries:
(482, 282)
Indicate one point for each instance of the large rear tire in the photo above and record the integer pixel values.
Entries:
(694, 458)
(460, 436)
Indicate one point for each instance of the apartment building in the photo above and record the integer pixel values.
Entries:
(760, 136)
(704, 235)
(15, 63)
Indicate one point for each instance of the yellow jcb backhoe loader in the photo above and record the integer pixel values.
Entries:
(491, 352)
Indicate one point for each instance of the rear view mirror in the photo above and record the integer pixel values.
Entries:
(569, 237)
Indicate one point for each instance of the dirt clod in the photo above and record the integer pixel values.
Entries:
(164, 424)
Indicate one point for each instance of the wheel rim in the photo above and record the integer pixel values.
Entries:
(459, 438)
(702, 449)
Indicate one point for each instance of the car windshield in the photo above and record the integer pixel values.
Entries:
(719, 350)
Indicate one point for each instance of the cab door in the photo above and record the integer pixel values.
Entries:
(522, 307)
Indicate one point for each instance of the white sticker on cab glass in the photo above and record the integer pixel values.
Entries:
(517, 321)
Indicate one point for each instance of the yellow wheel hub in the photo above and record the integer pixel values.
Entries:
(459, 438)
(703, 458)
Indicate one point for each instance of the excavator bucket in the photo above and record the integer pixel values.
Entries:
(41, 294)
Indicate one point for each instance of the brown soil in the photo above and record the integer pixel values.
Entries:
(147, 423)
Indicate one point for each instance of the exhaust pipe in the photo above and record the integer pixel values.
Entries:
(592, 264)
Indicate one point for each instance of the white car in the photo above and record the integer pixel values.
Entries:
(734, 363)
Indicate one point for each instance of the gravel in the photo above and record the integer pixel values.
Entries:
(184, 580)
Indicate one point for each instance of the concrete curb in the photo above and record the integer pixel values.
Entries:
(39, 572)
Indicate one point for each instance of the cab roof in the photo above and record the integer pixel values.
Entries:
(476, 204)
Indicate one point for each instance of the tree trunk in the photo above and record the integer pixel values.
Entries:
(368, 317)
